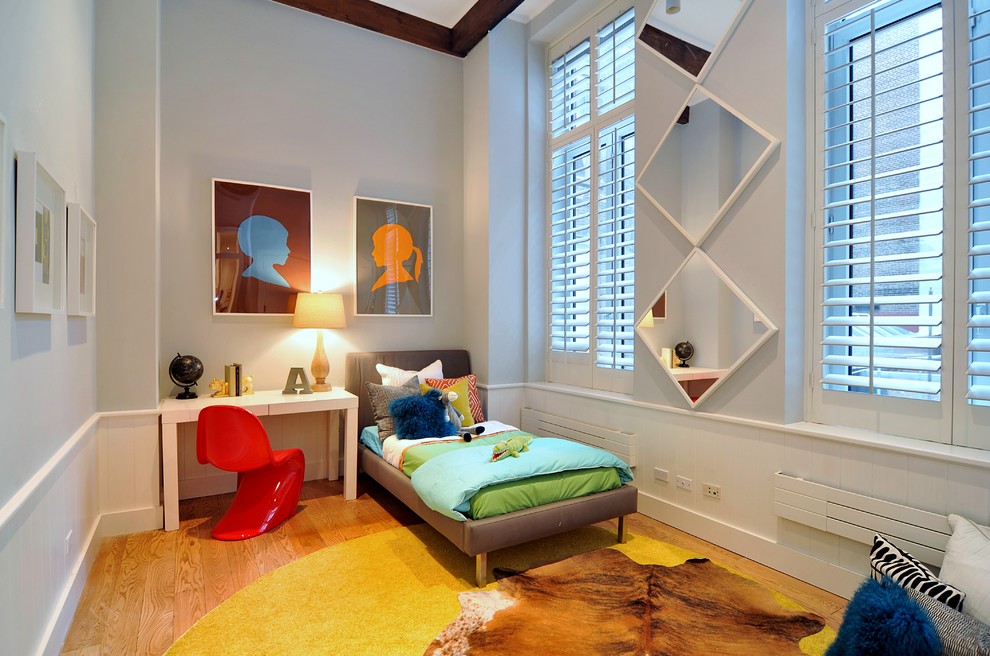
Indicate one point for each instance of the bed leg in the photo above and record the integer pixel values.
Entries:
(623, 532)
(481, 569)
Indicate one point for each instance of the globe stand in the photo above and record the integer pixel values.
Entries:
(186, 394)
(684, 352)
(185, 371)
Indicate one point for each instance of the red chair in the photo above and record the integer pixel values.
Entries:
(268, 482)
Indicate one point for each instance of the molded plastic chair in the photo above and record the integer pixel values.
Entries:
(268, 482)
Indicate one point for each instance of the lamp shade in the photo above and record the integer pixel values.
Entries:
(319, 311)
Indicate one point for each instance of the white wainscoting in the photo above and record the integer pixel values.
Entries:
(130, 472)
(742, 456)
(47, 533)
(103, 481)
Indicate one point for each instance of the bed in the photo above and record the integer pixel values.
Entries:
(475, 537)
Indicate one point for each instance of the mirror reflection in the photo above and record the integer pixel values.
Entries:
(687, 32)
(722, 326)
(702, 164)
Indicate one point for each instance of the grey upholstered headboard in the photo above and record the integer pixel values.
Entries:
(359, 368)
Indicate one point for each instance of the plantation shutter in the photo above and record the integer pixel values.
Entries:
(979, 203)
(591, 144)
(615, 293)
(616, 62)
(882, 219)
(570, 247)
(570, 89)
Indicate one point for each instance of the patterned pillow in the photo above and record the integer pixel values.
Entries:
(393, 376)
(908, 572)
(461, 404)
(474, 402)
(381, 396)
(960, 634)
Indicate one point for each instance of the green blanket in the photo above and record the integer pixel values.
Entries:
(459, 479)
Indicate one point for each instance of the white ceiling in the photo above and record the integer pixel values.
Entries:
(701, 23)
(448, 12)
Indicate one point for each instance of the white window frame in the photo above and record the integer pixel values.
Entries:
(568, 367)
(950, 420)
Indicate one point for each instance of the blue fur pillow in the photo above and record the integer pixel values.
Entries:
(881, 620)
(417, 417)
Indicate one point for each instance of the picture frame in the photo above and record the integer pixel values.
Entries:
(4, 201)
(393, 258)
(81, 262)
(262, 247)
(39, 239)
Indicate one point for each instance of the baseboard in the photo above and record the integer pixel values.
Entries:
(58, 628)
(809, 569)
(131, 521)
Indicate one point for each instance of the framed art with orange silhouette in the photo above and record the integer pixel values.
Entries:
(393, 258)
(261, 247)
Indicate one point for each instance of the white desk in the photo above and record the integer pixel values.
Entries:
(174, 411)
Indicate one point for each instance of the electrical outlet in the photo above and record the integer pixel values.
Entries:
(684, 483)
(661, 474)
(713, 491)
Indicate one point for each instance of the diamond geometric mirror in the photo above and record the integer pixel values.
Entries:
(689, 33)
(703, 163)
(707, 310)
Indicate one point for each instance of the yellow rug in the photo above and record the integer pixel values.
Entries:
(387, 593)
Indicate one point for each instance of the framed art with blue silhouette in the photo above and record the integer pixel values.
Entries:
(393, 258)
(262, 244)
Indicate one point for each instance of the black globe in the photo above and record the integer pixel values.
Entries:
(684, 352)
(184, 371)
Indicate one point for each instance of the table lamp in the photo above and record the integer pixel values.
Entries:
(319, 311)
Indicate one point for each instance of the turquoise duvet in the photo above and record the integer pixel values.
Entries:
(447, 482)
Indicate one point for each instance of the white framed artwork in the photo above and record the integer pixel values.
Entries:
(39, 239)
(81, 261)
(393, 275)
(4, 200)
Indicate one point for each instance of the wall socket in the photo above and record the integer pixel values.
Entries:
(683, 483)
(661, 474)
(713, 491)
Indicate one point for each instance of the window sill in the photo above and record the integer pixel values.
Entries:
(867, 439)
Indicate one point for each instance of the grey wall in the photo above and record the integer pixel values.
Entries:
(127, 157)
(47, 363)
(256, 91)
(496, 198)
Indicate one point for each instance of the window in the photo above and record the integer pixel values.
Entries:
(978, 152)
(882, 213)
(902, 218)
(592, 202)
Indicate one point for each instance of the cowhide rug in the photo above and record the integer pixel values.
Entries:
(603, 602)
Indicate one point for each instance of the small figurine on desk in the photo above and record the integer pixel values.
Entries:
(248, 385)
(219, 388)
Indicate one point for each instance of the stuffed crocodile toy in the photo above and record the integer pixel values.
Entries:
(511, 447)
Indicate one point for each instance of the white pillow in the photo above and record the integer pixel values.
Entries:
(967, 566)
(395, 377)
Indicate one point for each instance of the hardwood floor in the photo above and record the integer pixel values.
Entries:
(146, 589)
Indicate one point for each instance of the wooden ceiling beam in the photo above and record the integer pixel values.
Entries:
(479, 20)
(690, 57)
(384, 20)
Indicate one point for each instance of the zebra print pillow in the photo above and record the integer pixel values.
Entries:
(908, 572)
